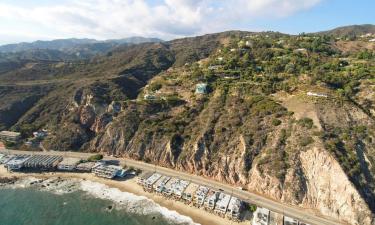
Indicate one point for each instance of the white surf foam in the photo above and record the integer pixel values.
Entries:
(133, 203)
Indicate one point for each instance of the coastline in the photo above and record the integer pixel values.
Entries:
(197, 215)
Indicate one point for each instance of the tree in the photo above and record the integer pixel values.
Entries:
(96, 157)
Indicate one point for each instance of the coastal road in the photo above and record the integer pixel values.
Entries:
(303, 215)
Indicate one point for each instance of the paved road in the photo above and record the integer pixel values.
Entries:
(295, 212)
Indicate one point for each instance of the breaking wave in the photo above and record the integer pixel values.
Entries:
(133, 203)
(138, 205)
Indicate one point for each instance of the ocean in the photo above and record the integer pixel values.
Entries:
(79, 202)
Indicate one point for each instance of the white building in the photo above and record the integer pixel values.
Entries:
(143, 177)
(106, 171)
(200, 195)
(160, 184)
(10, 136)
(151, 181)
(190, 192)
(17, 162)
(85, 167)
(211, 199)
(179, 187)
(6, 158)
(168, 190)
(68, 164)
(261, 216)
(234, 208)
(290, 221)
(317, 94)
(222, 203)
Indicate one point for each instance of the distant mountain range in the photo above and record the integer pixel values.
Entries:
(75, 45)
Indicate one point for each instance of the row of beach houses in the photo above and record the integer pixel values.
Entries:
(211, 200)
(52, 162)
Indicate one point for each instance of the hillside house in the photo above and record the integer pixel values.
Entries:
(149, 97)
(201, 88)
(317, 94)
(10, 136)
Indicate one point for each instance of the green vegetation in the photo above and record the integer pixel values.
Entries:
(306, 122)
(96, 157)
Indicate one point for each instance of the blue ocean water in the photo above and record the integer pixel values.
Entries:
(31, 206)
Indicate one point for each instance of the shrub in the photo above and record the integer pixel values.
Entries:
(276, 122)
(304, 141)
(96, 157)
(306, 122)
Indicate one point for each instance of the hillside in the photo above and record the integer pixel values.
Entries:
(348, 31)
(289, 117)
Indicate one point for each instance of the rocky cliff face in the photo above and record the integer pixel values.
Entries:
(232, 139)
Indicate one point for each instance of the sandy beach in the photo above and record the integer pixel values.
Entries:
(198, 215)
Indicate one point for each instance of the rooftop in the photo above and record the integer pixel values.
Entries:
(223, 201)
(70, 161)
(192, 188)
(18, 159)
(10, 133)
(234, 204)
(154, 177)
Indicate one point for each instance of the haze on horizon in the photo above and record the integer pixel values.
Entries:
(167, 19)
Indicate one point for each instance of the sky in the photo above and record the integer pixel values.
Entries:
(30, 20)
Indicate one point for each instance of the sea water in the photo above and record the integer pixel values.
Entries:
(80, 203)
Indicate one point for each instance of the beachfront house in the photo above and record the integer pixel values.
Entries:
(160, 184)
(5, 158)
(200, 195)
(222, 204)
(234, 208)
(290, 221)
(168, 190)
(189, 192)
(68, 164)
(85, 166)
(17, 162)
(261, 216)
(10, 136)
(106, 171)
(143, 177)
(211, 199)
(42, 162)
(151, 181)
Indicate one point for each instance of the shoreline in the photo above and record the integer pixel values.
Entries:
(197, 215)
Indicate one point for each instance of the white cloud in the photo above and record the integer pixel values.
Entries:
(166, 19)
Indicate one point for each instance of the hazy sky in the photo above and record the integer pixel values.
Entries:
(28, 20)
